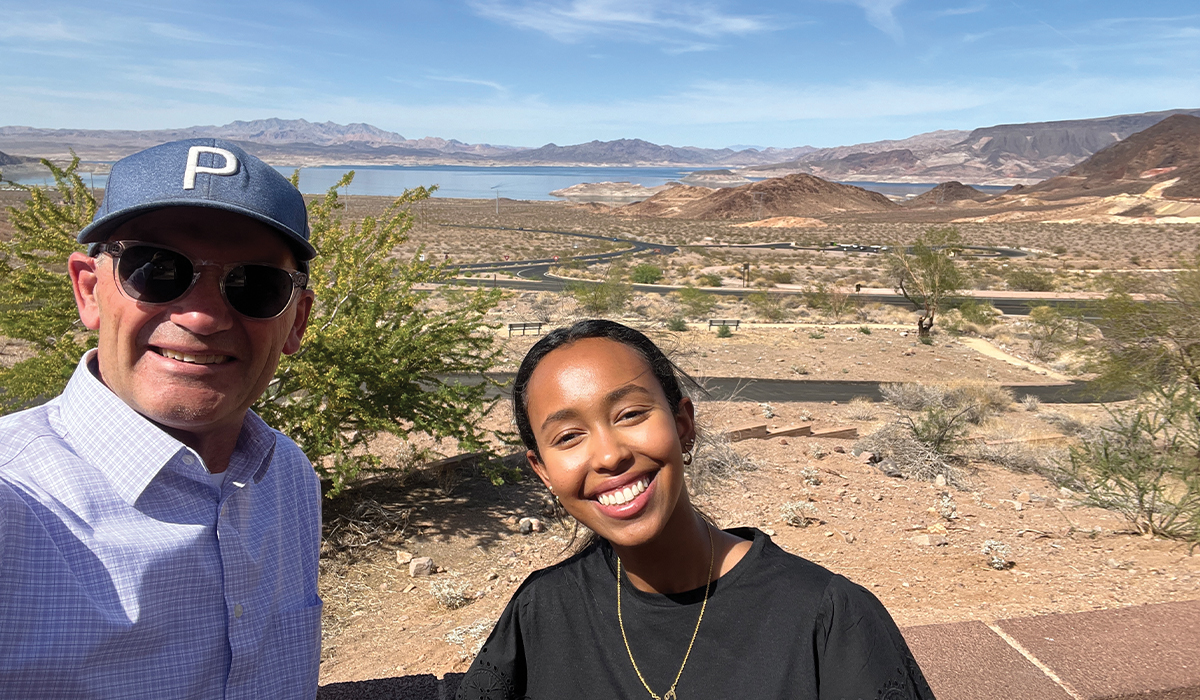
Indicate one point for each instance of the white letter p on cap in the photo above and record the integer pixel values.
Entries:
(193, 164)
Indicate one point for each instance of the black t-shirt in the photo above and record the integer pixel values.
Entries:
(776, 626)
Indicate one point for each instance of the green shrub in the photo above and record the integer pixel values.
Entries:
(724, 332)
(1026, 280)
(645, 273)
(677, 324)
(696, 304)
(709, 279)
(865, 330)
(767, 306)
(607, 297)
(979, 313)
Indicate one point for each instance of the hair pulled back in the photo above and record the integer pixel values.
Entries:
(665, 371)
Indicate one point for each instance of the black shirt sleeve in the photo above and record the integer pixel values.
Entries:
(498, 672)
(861, 654)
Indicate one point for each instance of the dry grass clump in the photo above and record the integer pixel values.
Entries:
(368, 524)
(1065, 422)
(985, 399)
(716, 460)
(450, 595)
(1031, 403)
(861, 408)
(799, 513)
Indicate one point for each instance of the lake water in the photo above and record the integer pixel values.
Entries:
(512, 182)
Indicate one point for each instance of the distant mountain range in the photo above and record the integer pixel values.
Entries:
(1004, 154)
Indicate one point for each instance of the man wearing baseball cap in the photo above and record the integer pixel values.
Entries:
(157, 539)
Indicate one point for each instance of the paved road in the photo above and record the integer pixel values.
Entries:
(533, 274)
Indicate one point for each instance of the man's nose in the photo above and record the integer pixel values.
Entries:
(203, 310)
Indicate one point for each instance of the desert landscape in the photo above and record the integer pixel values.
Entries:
(420, 557)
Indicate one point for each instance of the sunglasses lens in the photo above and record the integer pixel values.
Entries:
(258, 291)
(154, 275)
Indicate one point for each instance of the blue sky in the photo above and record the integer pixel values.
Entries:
(529, 72)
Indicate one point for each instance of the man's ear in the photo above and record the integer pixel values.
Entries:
(84, 278)
(535, 463)
(303, 308)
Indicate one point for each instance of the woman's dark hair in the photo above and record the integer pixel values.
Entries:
(665, 371)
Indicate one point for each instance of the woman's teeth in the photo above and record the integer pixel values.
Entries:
(194, 359)
(622, 496)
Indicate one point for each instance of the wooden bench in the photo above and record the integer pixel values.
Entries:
(534, 326)
(718, 322)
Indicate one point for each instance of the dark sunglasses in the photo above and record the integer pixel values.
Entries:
(154, 274)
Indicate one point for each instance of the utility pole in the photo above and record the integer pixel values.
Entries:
(497, 188)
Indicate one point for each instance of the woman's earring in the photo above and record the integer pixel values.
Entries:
(687, 454)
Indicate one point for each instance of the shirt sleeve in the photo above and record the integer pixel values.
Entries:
(499, 670)
(861, 654)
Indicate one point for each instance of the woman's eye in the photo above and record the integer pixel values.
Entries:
(631, 414)
(566, 438)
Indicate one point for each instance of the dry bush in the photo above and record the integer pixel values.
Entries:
(998, 555)
(985, 399)
(913, 396)
(1065, 422)
(368, 523)
(1031, 403)
(861, 408)
(1019, 457)
(913, 458)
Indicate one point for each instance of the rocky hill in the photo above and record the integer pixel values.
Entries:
(1005, 154)
(798, 195)
(6, 159)
(1167, 151)
(948, 194)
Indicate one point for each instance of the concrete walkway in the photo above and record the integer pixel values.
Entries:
(1148, 652)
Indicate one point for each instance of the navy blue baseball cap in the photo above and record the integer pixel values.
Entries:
(201, 173)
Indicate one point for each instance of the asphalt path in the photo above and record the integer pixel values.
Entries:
(822, 391)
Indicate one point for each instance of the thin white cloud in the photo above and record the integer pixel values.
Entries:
(469, 81)
(647, 20)
(881, 15)
(959, 11)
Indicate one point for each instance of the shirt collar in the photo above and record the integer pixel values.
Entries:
(130, 450)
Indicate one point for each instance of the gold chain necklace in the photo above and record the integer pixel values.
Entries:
(670, 694)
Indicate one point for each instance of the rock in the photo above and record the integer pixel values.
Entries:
(783, 441)
(768, 532)
(1024, 497)
(839, 449)
(1066, 492)
(492, 576)
(420, 566)
(930, 540)
(849, 537)
(833, 403)
(888, 466)
(878, 497)
(1017, 505)
(940, 480)
(403, 557)
(383, 586)
(411, 588)
(854, 499)
(829, 534)
(868, 458)
(528, 525)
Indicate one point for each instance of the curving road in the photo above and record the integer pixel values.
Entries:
(533, 275)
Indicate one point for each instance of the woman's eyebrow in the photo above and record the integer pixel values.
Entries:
(610, 398)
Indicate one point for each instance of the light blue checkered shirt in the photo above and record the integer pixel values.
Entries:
(124, 573)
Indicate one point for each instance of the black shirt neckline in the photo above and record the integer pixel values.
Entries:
(758, 540)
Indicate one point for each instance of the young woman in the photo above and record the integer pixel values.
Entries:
(663, 604)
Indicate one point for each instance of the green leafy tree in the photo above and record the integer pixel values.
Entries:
(925, 273)
(696, 304)
(380, 355)
(645, 273)
(36, 302)
(1048, 330)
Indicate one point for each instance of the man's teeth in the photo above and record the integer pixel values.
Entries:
(622, 496)
(194, 359)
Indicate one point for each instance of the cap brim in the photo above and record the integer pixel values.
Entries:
(100, 229)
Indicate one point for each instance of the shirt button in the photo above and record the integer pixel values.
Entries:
(237, 610)
(188, 459)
